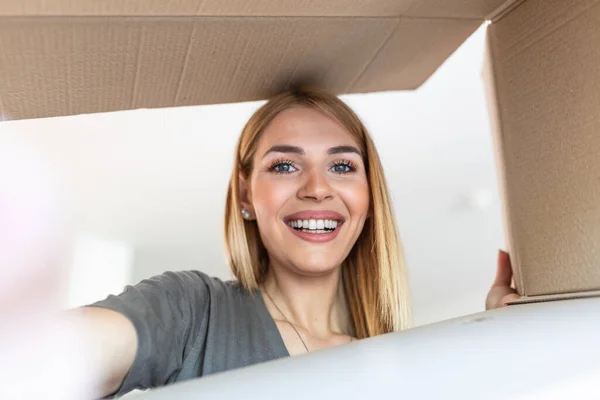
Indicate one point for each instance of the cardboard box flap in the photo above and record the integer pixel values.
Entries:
(65, 57)
(464, 9)
(405, 63)
(459, 9)
(546, 93)
(53, 67)
(89, 65)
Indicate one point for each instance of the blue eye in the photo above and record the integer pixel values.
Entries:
(283, 167)
(342, 167)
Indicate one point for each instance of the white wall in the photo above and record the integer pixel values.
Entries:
(154, 182)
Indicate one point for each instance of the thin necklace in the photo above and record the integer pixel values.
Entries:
(287, 320)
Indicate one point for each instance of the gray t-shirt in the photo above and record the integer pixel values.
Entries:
(190, 325)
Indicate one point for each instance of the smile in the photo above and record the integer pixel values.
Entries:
(319, 226)
(315, 226)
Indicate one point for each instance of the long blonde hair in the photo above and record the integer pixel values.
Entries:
(373, 275)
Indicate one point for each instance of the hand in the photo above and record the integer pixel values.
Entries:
(31, 278)
(502, 291)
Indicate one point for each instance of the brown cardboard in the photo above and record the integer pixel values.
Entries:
(554, 297)
(462, 9)
(66, 57)
(546, 93)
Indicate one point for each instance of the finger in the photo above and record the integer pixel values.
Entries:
(509, 298)
(504, 270)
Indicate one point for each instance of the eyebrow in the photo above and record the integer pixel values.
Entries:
(344, 149)
(285, 149)
(300, 151)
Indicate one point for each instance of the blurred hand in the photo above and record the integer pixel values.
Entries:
(502, 291)
(32, 333)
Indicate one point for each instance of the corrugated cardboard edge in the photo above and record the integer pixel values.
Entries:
(495, 117)
(555, 297)
(3, 116)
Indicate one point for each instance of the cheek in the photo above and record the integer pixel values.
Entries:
(356, 197)
(269, 195)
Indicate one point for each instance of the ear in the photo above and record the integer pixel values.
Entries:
(245, 196)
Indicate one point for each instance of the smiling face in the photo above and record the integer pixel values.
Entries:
(308, 191)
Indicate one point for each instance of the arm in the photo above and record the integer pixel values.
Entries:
(140, 338)
(112, 344)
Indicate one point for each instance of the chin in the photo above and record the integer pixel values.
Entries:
(316, 266)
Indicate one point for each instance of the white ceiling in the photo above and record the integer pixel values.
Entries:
(156, 180)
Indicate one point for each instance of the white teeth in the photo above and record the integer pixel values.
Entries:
(314, 225)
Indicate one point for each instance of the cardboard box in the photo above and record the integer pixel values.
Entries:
(65, 57)
(544, 79)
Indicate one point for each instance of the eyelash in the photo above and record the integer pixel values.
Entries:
(277, 163)
(273, 168)
(346, 163)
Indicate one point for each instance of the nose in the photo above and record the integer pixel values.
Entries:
(315, 187)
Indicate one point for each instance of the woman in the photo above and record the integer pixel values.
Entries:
(311, 238)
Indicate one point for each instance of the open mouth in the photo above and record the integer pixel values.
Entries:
(316, 226)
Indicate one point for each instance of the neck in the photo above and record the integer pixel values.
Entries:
(314, 303)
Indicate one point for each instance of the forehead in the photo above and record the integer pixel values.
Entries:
(307, 128)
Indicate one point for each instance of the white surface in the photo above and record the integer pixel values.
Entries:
(533, 351)
(156, 180)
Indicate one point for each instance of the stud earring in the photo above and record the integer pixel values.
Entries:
(246, 214)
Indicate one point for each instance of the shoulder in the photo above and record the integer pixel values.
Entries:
(187, 280)
(196, 283)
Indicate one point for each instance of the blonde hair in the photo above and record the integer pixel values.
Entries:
(373, 275)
